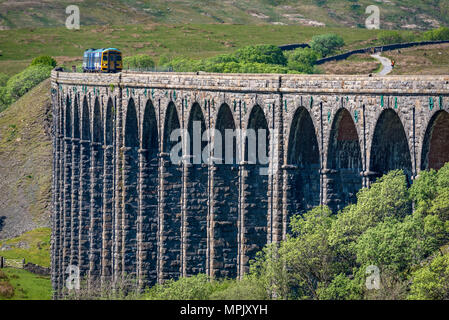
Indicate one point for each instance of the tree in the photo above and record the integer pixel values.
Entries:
(24, 81)
(326, 44)
(303, 60)
(44, 60)
(431, 282)
(390, 37)
(436, 34)
(140, 61)
(267, 54)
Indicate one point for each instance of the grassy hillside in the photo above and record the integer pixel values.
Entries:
(432, 60)
(25, 163)
(15, 284)
(194, 41)
(394, 13)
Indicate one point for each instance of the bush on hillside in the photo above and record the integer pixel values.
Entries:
(326, 44)
(265, 53)
(140, 61)
(390, 37)
(3, 79)
(436, 34)
(44, 60)
(303, 60)
(24, 81)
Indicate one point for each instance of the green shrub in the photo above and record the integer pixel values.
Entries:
(326, 44)
(24, 81)
(192, 288)
(266, 54)
(45, 60)
(3, 79)
(431, 282)
(390, 37)
(140, 61)
(5, 98)
(436, 34)
(303, 60)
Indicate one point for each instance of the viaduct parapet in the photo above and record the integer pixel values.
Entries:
(121, 205)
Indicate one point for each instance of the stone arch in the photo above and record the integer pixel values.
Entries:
(171, 123)
(389, 147)
(84, 151)
(255, 184)
(148, 212)
(435, 151)
(344, 162)
(68, 130)
(67, 188)
(109, 123)
(77, 201)
(169, 261)
(130, 173)
(225, 198)
(303, 166)
(196, 196)
(96, 189)
(108, 193)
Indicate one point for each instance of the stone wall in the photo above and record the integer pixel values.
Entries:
(121, 206)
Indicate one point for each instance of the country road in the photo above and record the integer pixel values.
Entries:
(386, 64)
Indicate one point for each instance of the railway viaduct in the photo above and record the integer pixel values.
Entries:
(122, 206)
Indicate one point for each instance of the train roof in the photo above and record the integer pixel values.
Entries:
(101, 50)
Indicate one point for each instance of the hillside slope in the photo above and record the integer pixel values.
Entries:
(25, 163)
(411, 14)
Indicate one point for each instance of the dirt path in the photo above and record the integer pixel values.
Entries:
(386, 64)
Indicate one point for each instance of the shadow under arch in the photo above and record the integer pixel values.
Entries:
(225, 195)
(108, 192)
(148, 212)
(80, 163)
(194, 224)
(169, 243)
(130, 171)
(96, 205)
(389, 147)
(344, 160)
(435, 150)
(303, 166)
(255, 183)
(66, 189)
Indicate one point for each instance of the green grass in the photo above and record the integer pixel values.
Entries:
(394, 13)
(27, 286)
(38, 252)
(193, 41)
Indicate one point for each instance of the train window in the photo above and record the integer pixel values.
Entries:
(119, 58)
(105, 57)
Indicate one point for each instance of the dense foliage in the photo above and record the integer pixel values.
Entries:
(330, 256)
(249, 59)
(139, 62)
(16, 86)
(326, 44)
(44, 60)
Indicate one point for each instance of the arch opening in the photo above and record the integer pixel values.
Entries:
(435, 151)
(148, 198)
(225, 187)
(345, 161)
(389, 149)
(255, 221)
(304, 158)
(108, 194)
(196, 197)
(130, 173)
(170, 204)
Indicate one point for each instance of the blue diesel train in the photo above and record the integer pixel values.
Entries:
(107, 60)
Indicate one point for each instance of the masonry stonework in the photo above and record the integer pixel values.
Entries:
(122, 207)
